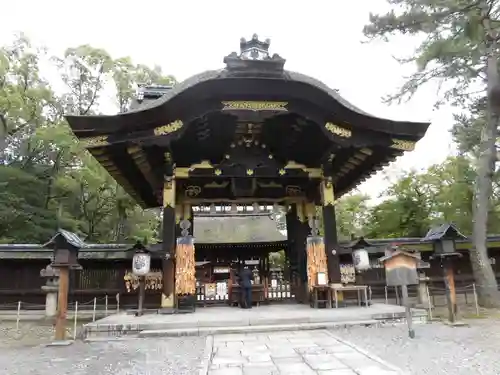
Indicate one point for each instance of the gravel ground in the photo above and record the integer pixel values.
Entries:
(437, 349)
(179, 356)
(28, 334)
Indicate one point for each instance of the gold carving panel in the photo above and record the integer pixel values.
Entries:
(169, 128)
(293, 191)
(169, 193)
(192, 191)
(327, 193)
(338, 130)
(97, 141)
(400, 144)
(246, 105)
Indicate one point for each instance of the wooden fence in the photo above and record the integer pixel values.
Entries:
(20, 281)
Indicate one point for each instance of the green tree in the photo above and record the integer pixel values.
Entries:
(459, 50)
(407, 210)
(351, 216)
(127, 77)
(26, 99)
(47, 180)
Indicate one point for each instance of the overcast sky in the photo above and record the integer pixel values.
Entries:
(318, 38)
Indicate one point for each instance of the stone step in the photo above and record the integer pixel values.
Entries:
(268, 325)
(207, 331)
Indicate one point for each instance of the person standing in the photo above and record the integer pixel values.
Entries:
(246, 278)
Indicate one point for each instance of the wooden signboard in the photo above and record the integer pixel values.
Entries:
(400, 268)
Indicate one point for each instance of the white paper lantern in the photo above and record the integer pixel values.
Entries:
(361, 260)
(141, 264)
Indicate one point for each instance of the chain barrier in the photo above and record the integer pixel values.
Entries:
(74, 308)
(39, 306)
(430, 295)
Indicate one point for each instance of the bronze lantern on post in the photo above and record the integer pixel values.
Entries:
(141, 266)
(66, 246)
(443, 240)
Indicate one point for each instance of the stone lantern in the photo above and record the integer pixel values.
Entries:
(443, 240)
(51, 276)
(65, 246)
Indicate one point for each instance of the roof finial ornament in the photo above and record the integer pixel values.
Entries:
(254, 56)
(254, 49)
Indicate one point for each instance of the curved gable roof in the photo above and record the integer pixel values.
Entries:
(112, 123)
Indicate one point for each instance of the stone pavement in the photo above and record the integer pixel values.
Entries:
(290, 353)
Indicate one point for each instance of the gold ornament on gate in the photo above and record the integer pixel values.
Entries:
(337, 130)
(169, 128)
(400, 144)
(248, 105)
(192, 191)
(293, 191)
(98, 141)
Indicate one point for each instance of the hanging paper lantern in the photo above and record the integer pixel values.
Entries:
(141, 264)
(360, 259)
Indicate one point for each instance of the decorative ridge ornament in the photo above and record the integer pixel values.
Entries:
(254, 48)
(254, 54)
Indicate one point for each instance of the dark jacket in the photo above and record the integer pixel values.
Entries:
(246, 276)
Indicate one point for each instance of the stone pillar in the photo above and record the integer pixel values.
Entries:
(51, 287)
(423, 298)
(330, 230)
(168, 241)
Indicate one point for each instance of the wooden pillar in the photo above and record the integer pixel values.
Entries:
(302, 231)
(189, 215)
(62, 303)
(169, 229)
(330, 231)
(291, 221)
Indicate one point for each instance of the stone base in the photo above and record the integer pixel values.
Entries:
(455, 324)
(166, 310)
(422, 306)
(60, 343)
(186, 303)
(144, 312)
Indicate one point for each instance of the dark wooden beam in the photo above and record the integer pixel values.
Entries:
(128, 169)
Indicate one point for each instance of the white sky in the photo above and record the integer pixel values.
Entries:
(317, 37)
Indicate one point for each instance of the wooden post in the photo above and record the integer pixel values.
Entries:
(409, 318)
(451, 296)
(62, 303)
(142, 293)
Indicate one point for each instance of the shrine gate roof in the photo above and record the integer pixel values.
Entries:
(253, 119)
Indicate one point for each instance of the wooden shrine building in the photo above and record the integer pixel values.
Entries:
(251, 134)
